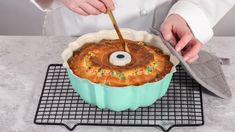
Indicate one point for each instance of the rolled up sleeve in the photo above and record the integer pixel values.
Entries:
(202, 15)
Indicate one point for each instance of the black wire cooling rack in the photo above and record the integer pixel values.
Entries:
(59, 104)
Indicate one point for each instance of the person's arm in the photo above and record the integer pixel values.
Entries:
(189, 24)
(47, 5)
(202, 15)
(82, 7)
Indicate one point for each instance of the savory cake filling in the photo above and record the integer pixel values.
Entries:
(148, 63)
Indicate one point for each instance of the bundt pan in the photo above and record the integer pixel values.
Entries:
(119, 98)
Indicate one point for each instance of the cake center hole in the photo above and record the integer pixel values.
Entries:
(120, 56)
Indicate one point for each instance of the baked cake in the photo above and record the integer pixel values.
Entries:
(148, 64)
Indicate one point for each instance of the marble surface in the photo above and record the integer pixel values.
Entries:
(23, 64)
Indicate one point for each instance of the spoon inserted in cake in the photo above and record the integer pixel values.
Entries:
(125, 47)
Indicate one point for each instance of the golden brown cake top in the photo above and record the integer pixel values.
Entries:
(148, 63)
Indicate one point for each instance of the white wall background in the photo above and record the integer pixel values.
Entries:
(20, 17)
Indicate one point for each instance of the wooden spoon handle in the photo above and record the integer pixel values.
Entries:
(117, 30)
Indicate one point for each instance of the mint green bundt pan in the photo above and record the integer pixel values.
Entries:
(119, 98)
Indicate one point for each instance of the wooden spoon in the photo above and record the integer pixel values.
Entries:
(124, 44)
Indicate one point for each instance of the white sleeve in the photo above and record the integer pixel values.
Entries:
(47, 5)
(202, 15)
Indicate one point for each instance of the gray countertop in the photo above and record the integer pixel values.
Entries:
(23, 64)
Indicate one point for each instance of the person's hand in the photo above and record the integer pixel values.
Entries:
(176, 31)
(89, 7)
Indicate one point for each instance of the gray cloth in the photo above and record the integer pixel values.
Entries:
(206, 70)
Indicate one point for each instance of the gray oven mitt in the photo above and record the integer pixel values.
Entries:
(206, 70)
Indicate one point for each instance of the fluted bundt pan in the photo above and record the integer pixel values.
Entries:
(119, 98)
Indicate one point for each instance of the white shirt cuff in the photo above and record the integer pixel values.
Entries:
(47, 7)
(195, 18)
